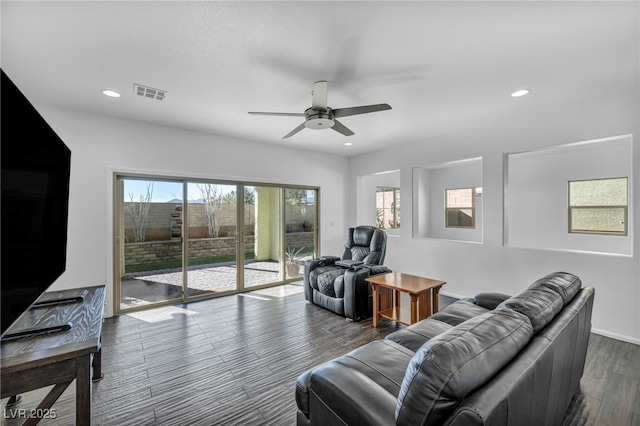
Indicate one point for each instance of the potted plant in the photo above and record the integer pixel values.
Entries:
(292, 261)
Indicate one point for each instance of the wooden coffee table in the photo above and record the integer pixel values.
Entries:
(386, 296)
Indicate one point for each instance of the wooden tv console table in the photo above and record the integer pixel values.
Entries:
(386, 296)
(57, 359)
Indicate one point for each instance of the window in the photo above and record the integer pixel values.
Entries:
(460, 208)
(387, 207)
(598, 206)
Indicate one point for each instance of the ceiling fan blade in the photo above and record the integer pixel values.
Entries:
(341, 128)
(319, 100)
(294, 131)
(345, 112)
(284, 114)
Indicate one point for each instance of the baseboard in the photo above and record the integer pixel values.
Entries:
(615, 336)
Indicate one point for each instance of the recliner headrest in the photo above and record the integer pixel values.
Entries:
(540, 305)
(365, 243)
(362, 236)
(565, 284)
(545, 298)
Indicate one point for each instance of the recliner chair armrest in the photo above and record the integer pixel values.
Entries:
(357, 292)
(376, 269)
(309, 266)
(312, 264)
(490, 300)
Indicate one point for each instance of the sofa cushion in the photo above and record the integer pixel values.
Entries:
(416, 335)
(565, 284)
(540, 305)
(382, 361)
(459, 311)
(453, 364)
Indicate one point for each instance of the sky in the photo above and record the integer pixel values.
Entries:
(164, 191)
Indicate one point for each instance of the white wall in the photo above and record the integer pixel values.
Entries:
(537, 194)
(367, 212)
(430, 183)
(492, 266)
(103, 145)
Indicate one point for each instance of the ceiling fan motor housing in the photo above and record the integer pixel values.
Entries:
(318, 118)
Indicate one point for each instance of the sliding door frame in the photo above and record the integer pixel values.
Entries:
(118, 234)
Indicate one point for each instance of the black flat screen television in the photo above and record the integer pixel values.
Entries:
(35, 197)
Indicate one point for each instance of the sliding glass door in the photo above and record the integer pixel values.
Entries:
(212, 238)
(300, 215)
(148, 238)
(262, 235)
(178, 240)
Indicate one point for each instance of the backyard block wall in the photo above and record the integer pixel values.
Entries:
(171, 250)
(299, 239)
(164, 251)
(161, 220)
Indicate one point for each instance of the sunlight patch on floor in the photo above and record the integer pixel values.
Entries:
(253, 296)
(161, 314)
(281, 291)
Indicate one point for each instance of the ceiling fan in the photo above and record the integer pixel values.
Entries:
(320, 116)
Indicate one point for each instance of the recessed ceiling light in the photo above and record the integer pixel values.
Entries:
(110, 93)
(348, 143)
(520, 92)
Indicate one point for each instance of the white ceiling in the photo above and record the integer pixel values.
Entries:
(438, 64)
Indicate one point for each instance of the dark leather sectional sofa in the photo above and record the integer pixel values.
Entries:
(488, 360)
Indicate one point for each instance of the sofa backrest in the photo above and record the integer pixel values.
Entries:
(565, 284)
(545, 298)
(449, 367)
(537, 386)
(365, 243)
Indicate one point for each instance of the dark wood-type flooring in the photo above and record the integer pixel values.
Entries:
(234, 361)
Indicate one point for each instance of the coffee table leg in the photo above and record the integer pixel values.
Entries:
(434, 301)
(424, 305)
(376, 303)
(414, 308)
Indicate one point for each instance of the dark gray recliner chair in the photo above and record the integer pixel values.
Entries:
(343, 290)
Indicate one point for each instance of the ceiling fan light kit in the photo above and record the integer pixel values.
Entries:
(318, 119)
(319, 116)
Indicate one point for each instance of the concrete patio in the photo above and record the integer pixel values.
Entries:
(144, 288)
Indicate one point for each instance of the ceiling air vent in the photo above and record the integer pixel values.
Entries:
(149, 92)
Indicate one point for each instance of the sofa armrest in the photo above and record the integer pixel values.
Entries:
(490, 300)
(340, 395)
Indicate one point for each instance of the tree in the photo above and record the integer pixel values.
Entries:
(294, 197)
(212, 198)
(139, 214)
(249, 195)
(229, 198)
